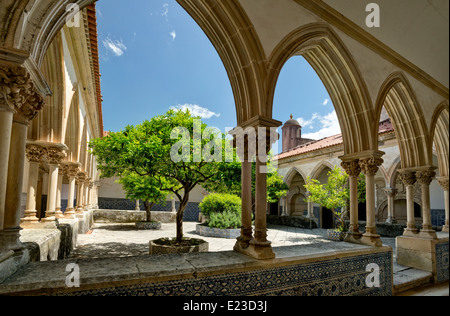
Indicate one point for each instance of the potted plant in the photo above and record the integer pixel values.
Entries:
(333, 195)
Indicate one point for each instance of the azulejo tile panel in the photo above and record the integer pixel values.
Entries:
(442, 266)
(338, 277)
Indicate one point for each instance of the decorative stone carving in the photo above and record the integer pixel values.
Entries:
(370, 166)
(443, 182)
(15, 87)
(71, 171)
(55, 155)
(35, 153)
(425, 177)
(30, 109)
(81, 177)
(408, 178)
(391, 193)
(352, 168)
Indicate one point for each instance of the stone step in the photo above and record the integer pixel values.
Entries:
(406, 278)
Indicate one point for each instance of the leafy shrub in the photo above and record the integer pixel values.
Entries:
(225, 220)
(222, 211)
(219, 203)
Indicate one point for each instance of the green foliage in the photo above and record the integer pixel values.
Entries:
(222, 211)
(220, 203)
(335, 194)
(276, 188)
(225, 220)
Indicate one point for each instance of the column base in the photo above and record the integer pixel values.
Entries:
(59, 214)
(370, 239)
(411, 232)
(49, 223)
(427, 234)
(391, 221)
(445, 229)
(256, 250)
(353, 237)
(70, 214)
(10, 240)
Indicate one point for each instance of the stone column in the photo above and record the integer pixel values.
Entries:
(353, 169)
(369, 166)
(87, 183)
(409, 179)
(31, 104)
(443, 182)
(35, 155)
(391, 193)
(424, 178)
(55, 155)
(59, 213)
(15, 85)
(81, 177)
(71, 170)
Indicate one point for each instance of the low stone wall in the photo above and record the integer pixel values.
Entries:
(330, 273)
(205, 231)
(124, 216)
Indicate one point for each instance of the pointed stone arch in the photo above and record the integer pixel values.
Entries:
(291, 174)
(439, 136)
(319, 168)
(399, 100)
(333, 63)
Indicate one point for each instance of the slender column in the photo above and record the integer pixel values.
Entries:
(87, 183)
(443, 182)
(15, 84)
(391, 193)
(55, 157)
(35, 155)
(424, 178)
(59, 213)
(71, 170)
(353, 169)
(80, 192)
(409, 179)
(32, 104)
(369, 166)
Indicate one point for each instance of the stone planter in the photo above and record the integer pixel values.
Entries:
(148, 225)
(157, 248)
(334, 235)
(205, 231)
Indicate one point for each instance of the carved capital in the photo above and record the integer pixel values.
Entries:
(443, 182)
(31, 107)
(370, 166)
(35, 153)
(408, 178)
(71, 170)
(425, 177)
(15, 87)
(391, 193)
(55, 155)
(81, 177)
(352, 168)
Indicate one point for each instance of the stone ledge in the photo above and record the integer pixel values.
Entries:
(124, 216)
(212, 274)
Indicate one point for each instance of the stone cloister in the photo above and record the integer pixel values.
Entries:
(50, 105)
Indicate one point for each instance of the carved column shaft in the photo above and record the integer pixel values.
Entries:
(353, 169)
(444, 183)
(409, 179)
(54, 157)
(71, 171)
(424, 178)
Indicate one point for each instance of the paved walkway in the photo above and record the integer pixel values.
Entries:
(122, 240)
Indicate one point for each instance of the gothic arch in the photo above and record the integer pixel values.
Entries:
(391, 176)
(291, 174)
(319, 168)
(439, 136)
(399, 100)
(333, 63)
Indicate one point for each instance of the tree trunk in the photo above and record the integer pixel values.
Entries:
(180, 215)
(148, 210)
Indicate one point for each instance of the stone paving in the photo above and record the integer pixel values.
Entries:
(122, 240)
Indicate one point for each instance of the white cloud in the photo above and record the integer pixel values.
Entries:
(329, 126)
(173, 34)
(116, 47)
(196, 110)
(326, 102)
(165, 11)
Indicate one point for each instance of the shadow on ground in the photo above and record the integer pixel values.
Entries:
(110, 250)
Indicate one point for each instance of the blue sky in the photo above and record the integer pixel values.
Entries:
(154, 57)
